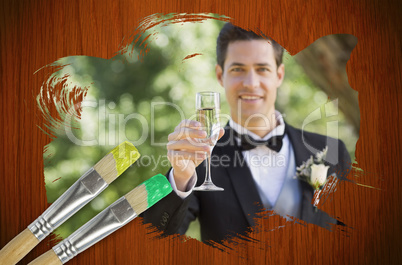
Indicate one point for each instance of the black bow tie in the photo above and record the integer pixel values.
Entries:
(247, 142)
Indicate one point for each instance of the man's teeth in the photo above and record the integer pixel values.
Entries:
(249, 97)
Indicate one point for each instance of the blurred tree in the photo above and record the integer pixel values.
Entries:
(324, 62)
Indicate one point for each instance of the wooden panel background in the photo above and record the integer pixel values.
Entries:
(35, 33)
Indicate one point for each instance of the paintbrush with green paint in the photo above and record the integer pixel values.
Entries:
(93, 182)
(109, 220)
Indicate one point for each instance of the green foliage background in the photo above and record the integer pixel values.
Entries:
(143, 100)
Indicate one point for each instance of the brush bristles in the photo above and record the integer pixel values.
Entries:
(148, 193)
(117, 161)
(106, 168)
(138, 199)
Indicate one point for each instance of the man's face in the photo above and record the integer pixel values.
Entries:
(250, 78)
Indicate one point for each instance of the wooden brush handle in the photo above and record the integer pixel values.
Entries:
(48, 258)
(18, 247)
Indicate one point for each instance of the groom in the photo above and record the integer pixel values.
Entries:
(256, 156)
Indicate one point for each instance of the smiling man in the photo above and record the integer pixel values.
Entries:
(251, 75)
(256, 157)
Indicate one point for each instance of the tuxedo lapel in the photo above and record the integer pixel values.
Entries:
(240, 176)
(299, 149)
(308, 212)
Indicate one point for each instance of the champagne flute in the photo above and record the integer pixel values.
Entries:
(208, 106)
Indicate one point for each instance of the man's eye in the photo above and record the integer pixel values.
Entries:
(237, 69)
(263, 69)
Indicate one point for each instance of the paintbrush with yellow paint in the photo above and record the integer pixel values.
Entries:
(109, 220)
(93, 182)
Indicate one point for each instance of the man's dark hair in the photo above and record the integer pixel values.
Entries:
(230, 33)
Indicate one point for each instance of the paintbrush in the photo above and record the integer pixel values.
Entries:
(109, 220)
(87, 187)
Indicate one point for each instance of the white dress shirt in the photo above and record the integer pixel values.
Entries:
(268, 168)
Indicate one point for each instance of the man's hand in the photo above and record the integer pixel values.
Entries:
(186, 150)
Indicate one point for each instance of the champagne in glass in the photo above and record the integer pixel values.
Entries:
(208, 117)
(208, 106)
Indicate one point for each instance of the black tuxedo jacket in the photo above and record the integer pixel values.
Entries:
(223, 214)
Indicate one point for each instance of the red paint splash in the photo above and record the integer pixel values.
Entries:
(56, 180)
(191, 56)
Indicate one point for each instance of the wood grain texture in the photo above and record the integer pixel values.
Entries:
(36, 33)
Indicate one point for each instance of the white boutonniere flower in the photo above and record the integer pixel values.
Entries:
(318, 175)
(314, 171)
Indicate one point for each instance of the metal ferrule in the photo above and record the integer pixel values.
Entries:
(109, 220)
(80, 193)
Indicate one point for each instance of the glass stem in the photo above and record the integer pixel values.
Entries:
(208, 170)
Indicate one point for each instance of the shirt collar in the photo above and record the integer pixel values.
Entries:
(278, 130)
